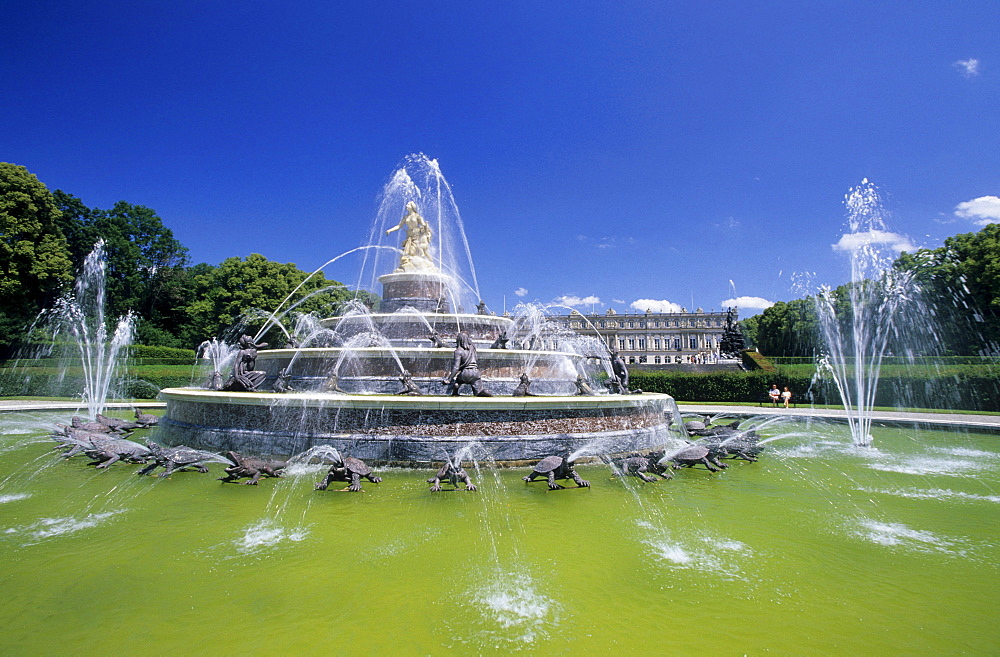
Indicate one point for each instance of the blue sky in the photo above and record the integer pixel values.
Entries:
(604, 154)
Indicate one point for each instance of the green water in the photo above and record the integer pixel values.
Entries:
(817, 549)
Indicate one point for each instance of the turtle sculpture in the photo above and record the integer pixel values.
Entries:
(694, 426)
(178, 458)
(250, 466)
(637, 465)
(76, 423)
(118, 424)
(350, 469)
(689, 456)
(452, 472)
(741, 445)
(74, 441)
(111, 450)
(556, 467)
(146, 420)
(501, 341)
(700, 429)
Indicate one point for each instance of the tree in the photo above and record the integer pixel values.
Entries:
(960, 283)
(239, 296)
(146, 265)
(34, 257)
(788, 329)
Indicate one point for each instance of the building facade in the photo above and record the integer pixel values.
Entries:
(652, 339)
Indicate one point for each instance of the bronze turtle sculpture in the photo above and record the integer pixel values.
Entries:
(556, 467)
(452, 472)
(689, 456)
(639, 466)
(350, 469)
(250, 466)
(180, 457)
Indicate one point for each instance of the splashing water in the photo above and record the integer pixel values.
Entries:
(419, 179)
(856, 329)
(77, 324)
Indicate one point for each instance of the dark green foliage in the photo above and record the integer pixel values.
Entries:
(149, 351)
(146, 268)
(246, 291)
(788, 329)
(141, 381)
(34, 257)
(961, 285)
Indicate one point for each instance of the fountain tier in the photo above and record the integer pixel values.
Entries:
(413, 430)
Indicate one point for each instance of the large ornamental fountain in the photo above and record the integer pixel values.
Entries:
(385, 385)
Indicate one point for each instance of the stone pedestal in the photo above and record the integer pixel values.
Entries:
(425, 291)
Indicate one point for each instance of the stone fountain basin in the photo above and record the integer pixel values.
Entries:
(400, 430)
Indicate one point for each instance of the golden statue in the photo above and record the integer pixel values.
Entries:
(417, 244)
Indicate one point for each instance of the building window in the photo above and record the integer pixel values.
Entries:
(631, 324)
(642, 359)
(631, 360)
(631, 344)
(642, 344)
(677, 344)
(693, 342)
(621, 345)
(656, 360)
(656, 344)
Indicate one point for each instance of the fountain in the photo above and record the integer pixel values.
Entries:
(856, 331)
(344, 378)
(74, 333)
(819, 548)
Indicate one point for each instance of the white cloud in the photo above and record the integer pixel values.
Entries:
(854, 241)
(572, 301)
(968, 67)
(656, 306)
(983, 210)
(748, 302)
(521, 292)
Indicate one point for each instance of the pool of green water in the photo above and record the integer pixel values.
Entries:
(819, 548)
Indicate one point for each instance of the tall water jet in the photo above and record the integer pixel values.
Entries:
(419, 183)
(76, 330)
(856, 328)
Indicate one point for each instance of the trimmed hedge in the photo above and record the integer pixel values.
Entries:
(146, 351)
(141, 382)
(975, 390)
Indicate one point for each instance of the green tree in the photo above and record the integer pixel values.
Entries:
(788, 328)
(239, 296)
(961, 283)
(146, 265)
(34, 257)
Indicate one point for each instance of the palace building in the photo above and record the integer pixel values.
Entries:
(651, 339)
